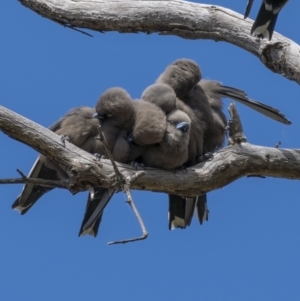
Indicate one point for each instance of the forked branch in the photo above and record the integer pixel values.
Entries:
(180, 18)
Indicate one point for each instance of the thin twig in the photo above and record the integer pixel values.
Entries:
(35, 181)
(74, 28)
(144, 235)
(136, 176)
(126, 188)
(110, 156)
(21, 174)
(136, 212)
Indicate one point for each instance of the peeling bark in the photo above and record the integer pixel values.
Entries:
(85, 171)
(180, 18)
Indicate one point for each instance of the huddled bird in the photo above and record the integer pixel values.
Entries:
(176, 123)
(265, 21)
(202, 98)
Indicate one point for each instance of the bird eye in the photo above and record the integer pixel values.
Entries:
(171, 121)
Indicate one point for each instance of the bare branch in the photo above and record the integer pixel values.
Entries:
(40, 182)
(228, 165)
(110, 156)
(136, 212)
(181, 18)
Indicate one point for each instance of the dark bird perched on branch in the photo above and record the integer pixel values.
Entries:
(172, 151)
(147, 126)
(80, 128)
(164, 96)
(115, 112)
(266, 18)
(203, 98)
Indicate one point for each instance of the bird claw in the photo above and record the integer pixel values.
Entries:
(205, 157)
(180, 168)
(256, 176)
(278, 144)
(137, 166)
(99, 156)
(64, 138)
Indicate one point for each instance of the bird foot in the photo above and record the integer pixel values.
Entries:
(99, 156)
(278, 144)
(180, 168)
(137, 166)
(64, 138)
(206, 157)
(256, 176)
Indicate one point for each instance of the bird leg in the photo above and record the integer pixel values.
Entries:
(64, 138)
(278, 144)
(180, 168)
(205, 157)
(137, 165)
(99, 156)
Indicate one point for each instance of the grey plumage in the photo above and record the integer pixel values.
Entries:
(205, 100)
(146, 126)
(162, 95)
(81, 128)
(115, 110)
(149, 124)
(215, 89)
(183, 76)
(172, 151)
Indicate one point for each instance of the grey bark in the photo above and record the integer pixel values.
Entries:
(181, 18)
(85, 171)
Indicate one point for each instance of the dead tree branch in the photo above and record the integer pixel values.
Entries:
(181, 18)
(228, 165)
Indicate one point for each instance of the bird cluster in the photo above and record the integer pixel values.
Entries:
(176, 122)
(265, 21)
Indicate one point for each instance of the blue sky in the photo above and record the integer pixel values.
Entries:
(249, 249)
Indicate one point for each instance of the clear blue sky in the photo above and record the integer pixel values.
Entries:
(249, 249)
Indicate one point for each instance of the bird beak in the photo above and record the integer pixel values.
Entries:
(129, 138)
(183, 126)
(99, 116)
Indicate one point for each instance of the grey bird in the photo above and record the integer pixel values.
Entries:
(181, 211)
(265, 21)
(149, 124)
(204, 98)
(162, 95)
(80, 127)
(115, 110)
(183, 76)
(172, 152)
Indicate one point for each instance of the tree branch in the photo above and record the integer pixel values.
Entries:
(227, 165)
(181, 18)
